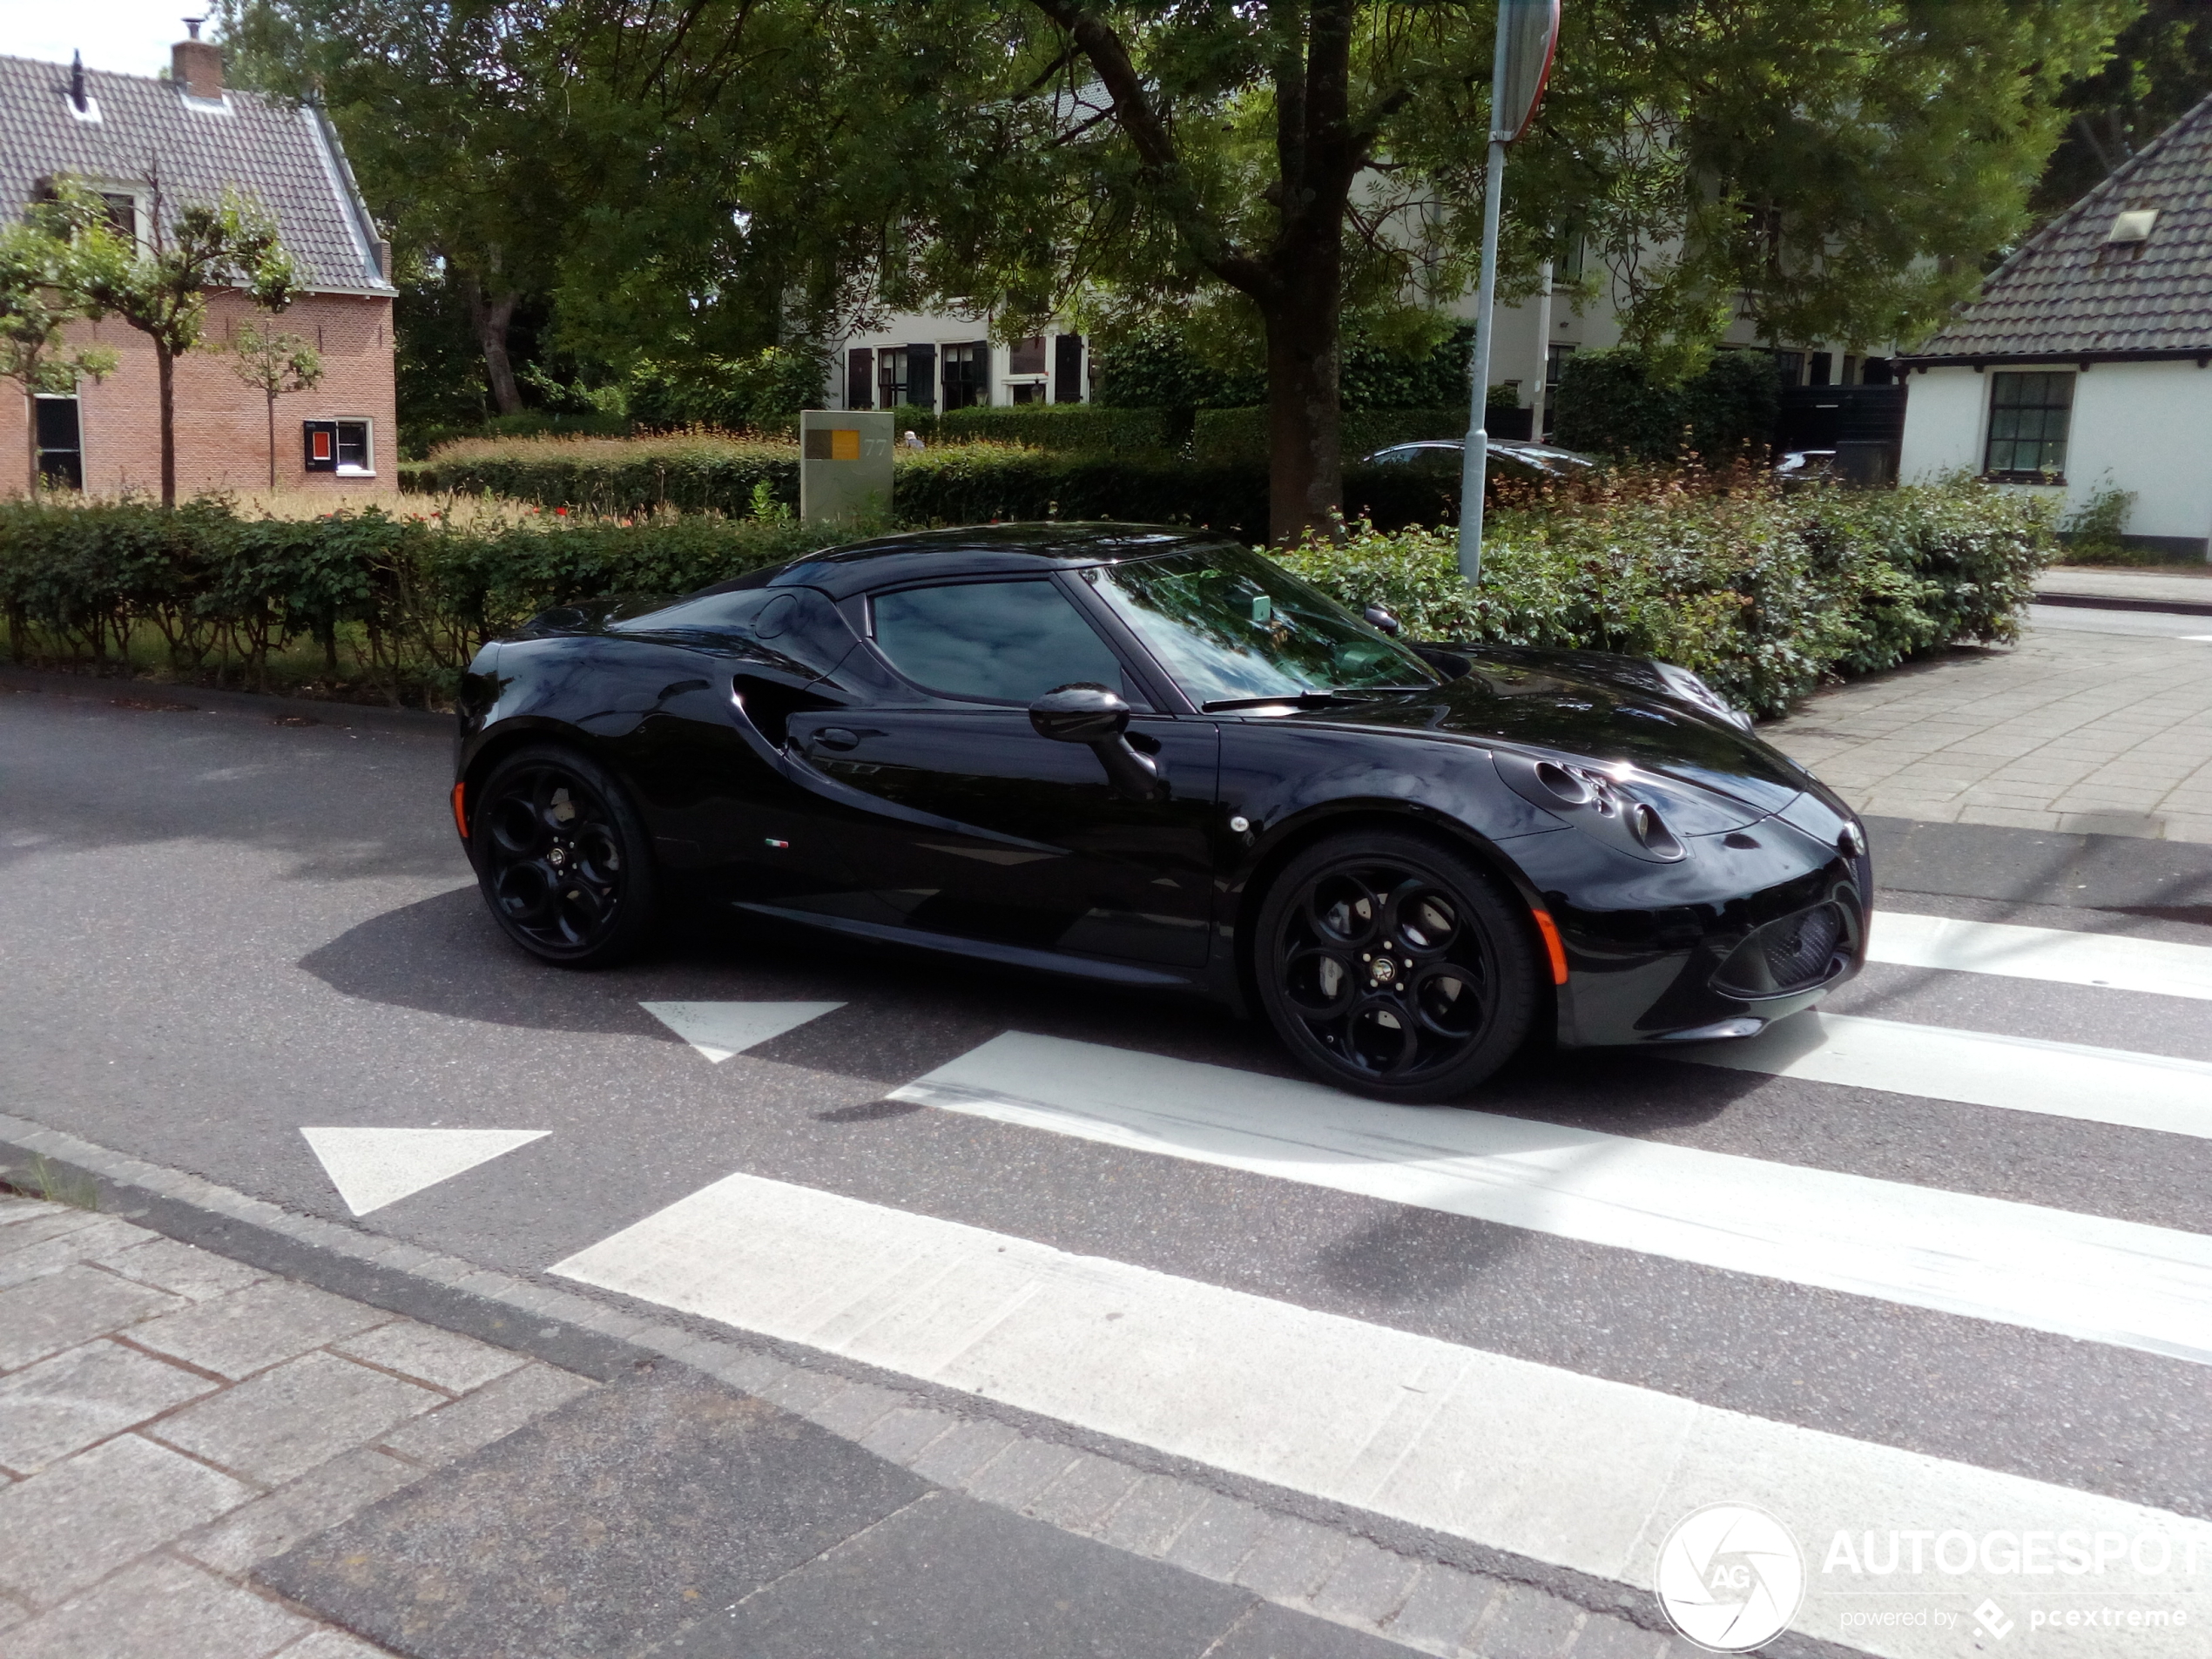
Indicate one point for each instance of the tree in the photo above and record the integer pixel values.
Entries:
(2161, 67)
(1295, 174)
(161, 289)
(37, 256)
(274, 363)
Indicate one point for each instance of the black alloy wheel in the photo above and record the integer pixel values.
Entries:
(1392, 966)
(562, 858)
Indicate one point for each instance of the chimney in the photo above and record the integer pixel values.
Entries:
(197, 64)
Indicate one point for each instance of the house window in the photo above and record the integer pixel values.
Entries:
(967, 375)
(1823, 363)
(121, 212)
(1790, 367)
(61, 443)
(342, 446)
(891, 378)
(1025, 391)
(1026, 356)
(2029, 417)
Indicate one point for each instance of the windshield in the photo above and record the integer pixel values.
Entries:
(1231, 626)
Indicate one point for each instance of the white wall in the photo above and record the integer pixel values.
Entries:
(2145, 427)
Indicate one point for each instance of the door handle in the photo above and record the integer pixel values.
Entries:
(835, 737)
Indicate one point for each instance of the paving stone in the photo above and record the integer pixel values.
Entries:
(160, 1607)
(1368, 1585)
(800, 1391)
(304, 1412)
(75, 1522)
(1083, 1495)
(1525, 1623)
(1606, 1637)
(1291, 1559)
(1018, 1473)
(85, 1394)
(443, 1359)
(98, 1235)
(1156, 1508)
(12, 1612)
(855, 1409)
(962, 1450)
(902, 1434)
(259, 1326)
(39, 1222)
(184, 1269)
(497, 1409)
(1216, 1541)
(1442, 1608)
(315, 1502)
(72, 1305)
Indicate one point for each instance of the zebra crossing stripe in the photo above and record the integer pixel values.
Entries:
(1532, 1460)
(2089, 1276)
(1977, 1069)
(2053, 953)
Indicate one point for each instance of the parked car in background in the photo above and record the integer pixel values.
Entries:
(1800, 467)
(1510, 458)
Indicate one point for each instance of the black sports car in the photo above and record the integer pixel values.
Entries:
(1155, 756)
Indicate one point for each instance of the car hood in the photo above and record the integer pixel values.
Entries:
(1585, 705)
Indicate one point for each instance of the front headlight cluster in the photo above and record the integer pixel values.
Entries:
(1691, 689)
(1641, 815)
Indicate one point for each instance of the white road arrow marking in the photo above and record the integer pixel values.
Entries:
(373, 1167)
(720, 1029)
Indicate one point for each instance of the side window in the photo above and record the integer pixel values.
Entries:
(995, 642)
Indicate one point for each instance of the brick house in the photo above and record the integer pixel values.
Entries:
(190, 138)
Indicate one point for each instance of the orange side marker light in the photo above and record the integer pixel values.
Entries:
(1549, 928)
(460, 819)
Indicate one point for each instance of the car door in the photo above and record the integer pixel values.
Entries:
(980, 828)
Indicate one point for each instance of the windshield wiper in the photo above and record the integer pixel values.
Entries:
(1293, 700)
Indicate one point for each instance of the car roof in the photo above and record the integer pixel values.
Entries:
(979, 549)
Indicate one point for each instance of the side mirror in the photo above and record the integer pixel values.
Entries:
(1381, 620)
(1080, 713)
(1092, 715)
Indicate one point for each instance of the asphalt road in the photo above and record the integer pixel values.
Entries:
(222, 929)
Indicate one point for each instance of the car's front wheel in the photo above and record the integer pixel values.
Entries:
(1392, 965)
(562, 858)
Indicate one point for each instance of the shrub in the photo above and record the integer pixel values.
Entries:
(1087, 429)
(729, 393)
(696, 472)
(1608, 404)
(408, 596)
(1763, 593)
(1241, 435)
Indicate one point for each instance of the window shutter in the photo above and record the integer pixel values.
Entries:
(860, 378)
(921, 375)
(1068, 368)
(319, 439)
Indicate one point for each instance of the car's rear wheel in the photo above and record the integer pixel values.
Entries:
(1393, 966)
(562, 858)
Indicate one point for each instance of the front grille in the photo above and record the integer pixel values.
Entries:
(1792, 954)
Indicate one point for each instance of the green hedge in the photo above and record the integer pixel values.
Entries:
(1241, 435)
(1764, 593)
(394, 605)
(1073, 428)
(950, 483)
(1608, 404)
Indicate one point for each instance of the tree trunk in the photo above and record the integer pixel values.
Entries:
(30, 435)
(1304, 424)
(272, 398)
(490, 318)
(166, 362)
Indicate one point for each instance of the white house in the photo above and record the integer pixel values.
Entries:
(2085, 367)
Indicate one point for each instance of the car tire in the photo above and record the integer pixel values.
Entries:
(1393, 966)
(562, 858)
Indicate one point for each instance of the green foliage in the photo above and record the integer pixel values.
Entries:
(694, 472)
(1765, 594)
(1241, 435)
(2094, 532)
(39, 259)
(411, 595)
(1156, 368)
(1615, 402)
(730, 395)
(2160, 68)
(1078, 428)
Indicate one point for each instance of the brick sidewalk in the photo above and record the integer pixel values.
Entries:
(169, 1419)
(2088, 732)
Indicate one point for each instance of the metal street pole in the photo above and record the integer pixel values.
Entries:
(1527, 33)
(1474, 460)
